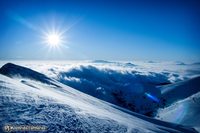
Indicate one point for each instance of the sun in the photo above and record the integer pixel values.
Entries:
(53, 39)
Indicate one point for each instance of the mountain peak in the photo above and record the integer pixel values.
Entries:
(12, 70)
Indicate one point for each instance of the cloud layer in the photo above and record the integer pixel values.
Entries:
(124, 88)
(127, 84)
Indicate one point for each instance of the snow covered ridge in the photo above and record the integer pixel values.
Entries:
(26, 100)
(184, 112)
(12, 70)
(182, 103)
(180, 90)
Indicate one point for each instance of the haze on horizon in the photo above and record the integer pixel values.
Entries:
(109, 30)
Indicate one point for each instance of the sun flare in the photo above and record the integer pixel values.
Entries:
(53, 39)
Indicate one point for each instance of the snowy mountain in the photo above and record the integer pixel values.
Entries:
(182, 103)
(12, 70)
(185, 112)
(180, 90)
(29, 97)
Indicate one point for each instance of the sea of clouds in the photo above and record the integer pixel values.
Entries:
(127, 84)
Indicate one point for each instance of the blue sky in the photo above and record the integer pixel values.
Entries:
(110, 30)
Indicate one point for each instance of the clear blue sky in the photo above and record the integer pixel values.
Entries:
(110, 29)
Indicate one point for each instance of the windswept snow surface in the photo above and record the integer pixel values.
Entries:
(186, 112)
(27, 100)
(183, 103)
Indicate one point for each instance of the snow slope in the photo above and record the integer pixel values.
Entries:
(25, 99)
(182, 103)
(184, 112)
(180, 90)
